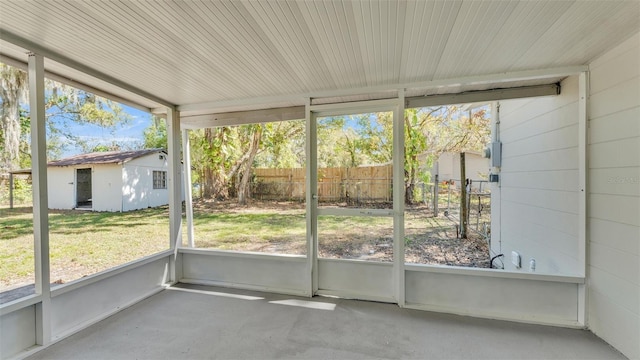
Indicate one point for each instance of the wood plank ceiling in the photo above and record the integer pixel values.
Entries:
(222, 54)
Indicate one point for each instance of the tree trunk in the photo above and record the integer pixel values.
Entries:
(208, 188)
(13, 86)
(464, 213)
(244, 186)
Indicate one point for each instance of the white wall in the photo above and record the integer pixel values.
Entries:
(137, 180)
(61, 188)
(477, 167)
(106, 185)
(264, 272)
(493, 294)
(614, 198)
(17, 331)
(539, 189)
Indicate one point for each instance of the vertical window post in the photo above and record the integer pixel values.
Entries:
(175, 198)
(40, 200)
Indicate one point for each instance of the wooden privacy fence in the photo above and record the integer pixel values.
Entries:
(358, 184)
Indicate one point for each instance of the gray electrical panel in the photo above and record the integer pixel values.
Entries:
(496, 154)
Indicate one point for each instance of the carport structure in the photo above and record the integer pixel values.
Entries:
(206, 64)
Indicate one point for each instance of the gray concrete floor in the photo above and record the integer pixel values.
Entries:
(201, 322)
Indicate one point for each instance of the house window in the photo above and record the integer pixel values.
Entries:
(159, 179)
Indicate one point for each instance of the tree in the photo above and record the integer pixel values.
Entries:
(13, 89)
(64, 106)
(155, 136)
(254, 133)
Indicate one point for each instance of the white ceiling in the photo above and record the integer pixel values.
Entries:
(239, 55)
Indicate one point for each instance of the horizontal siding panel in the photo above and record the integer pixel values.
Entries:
(615, 181)
(614, 154)
(546, 245)
(540, 105)
(619, 125)
(616, 263)
(616, 325)
(543, 124)
(564, 159)
(564, 201)
(515, 214)
(623, 209)
(509, 108)
(618, 70)
(563, 138)
(614, 199)
(622, 237)
(539, 234)
(618, 98)
(563, 180)
(549, 259)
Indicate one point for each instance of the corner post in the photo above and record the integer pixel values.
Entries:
(40, 197)
(188, 195)
(398, 199)
(175, 198)
(583, 167)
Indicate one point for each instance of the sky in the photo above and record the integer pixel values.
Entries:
(129, 135)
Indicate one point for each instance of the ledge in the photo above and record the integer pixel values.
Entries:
(458, 270)
(20, 303)
(242, 254)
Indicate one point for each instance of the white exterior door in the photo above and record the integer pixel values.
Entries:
(356, 216)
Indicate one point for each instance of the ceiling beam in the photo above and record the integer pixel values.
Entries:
(78, 85)
(484, 95)
(243, 117)
(53, 55)
(299, 99)
(298, 112)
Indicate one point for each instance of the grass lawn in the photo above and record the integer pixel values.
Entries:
(81, 242)
(84, 242)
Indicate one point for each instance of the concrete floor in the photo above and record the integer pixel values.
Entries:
(200, 322)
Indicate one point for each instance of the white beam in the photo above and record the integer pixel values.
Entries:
(40, 200)
(298, 99)
(484, 96)
(62, 59)
(583, 118)
(78, 85)
(188, 195)
(311, 151)
(243, 117)
(398, 200)
(174, 187)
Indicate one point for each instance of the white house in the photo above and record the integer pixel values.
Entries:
(109, 181)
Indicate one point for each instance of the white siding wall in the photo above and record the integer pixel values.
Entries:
(61, 188)
(137, 183)
(539, 195)
(106, 182)
(614, 198)
(477, 167)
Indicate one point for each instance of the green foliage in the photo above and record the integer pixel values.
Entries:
(21, 192)
(155, 136)
(65, 106)
(282, 145)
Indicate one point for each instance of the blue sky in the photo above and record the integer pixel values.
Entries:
(128, 136)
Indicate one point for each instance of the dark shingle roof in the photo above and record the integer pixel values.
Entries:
(110, 157)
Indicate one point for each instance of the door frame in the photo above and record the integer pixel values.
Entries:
(77, 183)
(396, 106)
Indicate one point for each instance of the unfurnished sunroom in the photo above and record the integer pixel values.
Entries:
(562, 80)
